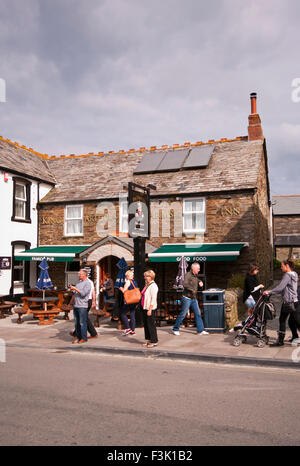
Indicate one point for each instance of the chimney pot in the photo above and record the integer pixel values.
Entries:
(253, 97)
(255, 131)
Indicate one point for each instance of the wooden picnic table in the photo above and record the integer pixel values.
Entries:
(47, 307)
(5, 308)
(46, 317)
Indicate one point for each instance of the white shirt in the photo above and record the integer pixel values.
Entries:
(92, 289)
(151, 296)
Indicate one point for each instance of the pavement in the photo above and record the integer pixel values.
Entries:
(213, 348)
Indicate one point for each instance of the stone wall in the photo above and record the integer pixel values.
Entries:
(286, 224)
(239, 217)
(263, 233)
(234, 308)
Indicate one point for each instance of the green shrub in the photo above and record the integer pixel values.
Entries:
(276, 263)
(236, 281)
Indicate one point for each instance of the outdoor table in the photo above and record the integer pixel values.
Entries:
(43, 300)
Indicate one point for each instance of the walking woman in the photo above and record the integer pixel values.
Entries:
(149, 305)
(130, 284)
(251, 288)
(288, 289)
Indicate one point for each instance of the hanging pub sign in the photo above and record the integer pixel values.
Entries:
(5, 263)
(138, 211)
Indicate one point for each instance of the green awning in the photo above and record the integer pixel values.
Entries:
(194, 252)
(50, 253)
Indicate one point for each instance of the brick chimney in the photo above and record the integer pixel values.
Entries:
(254, 129)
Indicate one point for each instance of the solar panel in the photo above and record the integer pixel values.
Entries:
(199, 157)
(173, 160)
(150, 162)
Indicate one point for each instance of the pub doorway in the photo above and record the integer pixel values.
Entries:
(107, 264)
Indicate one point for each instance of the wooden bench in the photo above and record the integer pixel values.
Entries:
(66, 308)
(48, 315)
(5, 308)
(20, 310)
(98, 313)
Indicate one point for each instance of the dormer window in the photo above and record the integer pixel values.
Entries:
(21, 200)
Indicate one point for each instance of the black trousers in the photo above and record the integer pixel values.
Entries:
(288, 310)
(294, 320)
(90, 327)
(149, 326)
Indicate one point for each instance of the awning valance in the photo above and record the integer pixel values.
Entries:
(50, 253)
(194, 252)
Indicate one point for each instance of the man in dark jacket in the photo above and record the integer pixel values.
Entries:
(189, 300)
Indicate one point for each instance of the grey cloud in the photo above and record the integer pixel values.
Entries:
(86, 76)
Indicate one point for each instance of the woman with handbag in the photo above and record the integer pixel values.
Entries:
(149, 305)
(130, 288)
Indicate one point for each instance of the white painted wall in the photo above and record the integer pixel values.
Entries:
(17, 231)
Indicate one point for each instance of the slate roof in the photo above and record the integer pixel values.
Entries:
(286, 205)
(24, 162)
(234, 165)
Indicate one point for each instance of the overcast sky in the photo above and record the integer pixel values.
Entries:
(98, 75)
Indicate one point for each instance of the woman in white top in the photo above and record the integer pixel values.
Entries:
(149, 305)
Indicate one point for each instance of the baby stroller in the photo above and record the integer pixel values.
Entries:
(256, 323)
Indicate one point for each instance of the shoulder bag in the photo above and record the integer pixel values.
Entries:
(132, 296)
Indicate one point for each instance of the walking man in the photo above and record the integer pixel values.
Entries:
(82, 293)
(189, 300)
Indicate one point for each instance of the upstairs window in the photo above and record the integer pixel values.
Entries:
(194, 215)
(21, 200)
(74, 220)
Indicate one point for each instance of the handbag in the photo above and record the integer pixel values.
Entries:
(132, 296)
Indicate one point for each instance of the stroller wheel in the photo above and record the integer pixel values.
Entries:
(237, 341)
(261, 343)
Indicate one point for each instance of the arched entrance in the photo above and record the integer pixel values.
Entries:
(107, 264)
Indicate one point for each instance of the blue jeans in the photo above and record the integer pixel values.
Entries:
(186, 304)
(80, 316)
(250, 303)
(128, 308)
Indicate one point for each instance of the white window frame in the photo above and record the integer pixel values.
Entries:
(199, 212)
(123, 214)
(66, 220)
(23, 200)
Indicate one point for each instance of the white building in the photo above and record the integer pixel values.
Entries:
(24, 180)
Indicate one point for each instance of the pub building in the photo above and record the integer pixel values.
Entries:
(286, 227)
(211, 204)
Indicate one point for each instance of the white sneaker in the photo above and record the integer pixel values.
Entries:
(176, 332)
(203, 333)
